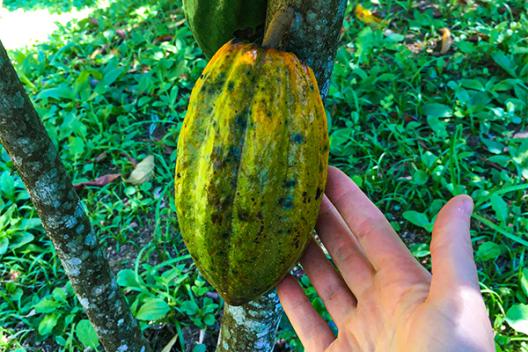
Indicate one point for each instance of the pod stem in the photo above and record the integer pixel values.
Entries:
(279, 25)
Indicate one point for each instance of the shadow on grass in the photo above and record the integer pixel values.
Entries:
(53, 6)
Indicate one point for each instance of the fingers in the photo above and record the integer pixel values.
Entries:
(356, 270)
(336, 296)
(312, 330)
(382, 246)
(451, 249)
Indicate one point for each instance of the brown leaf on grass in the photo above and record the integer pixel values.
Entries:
(100, 157)
(447, 40)
(121, 33)
(98, 182)
(163, 38)
(366, 16)
(521, 135)
(142, 172)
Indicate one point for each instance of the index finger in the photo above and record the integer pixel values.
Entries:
(381, 244)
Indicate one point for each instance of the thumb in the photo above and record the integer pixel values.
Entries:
(451, 250)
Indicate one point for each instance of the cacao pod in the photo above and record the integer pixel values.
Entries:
(251, 168)
(215, 22)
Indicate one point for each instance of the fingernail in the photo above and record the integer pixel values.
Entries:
(467, 205)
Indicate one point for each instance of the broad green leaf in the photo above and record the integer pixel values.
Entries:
(420, 177)
(504, 62)
(466, 47)
(418, 219)
(500, 207)
(472, 84)
(60, 295)
(153, 309)
(46, 305)
(488, 251)
(428, 159)
(21, 239)
(524, 281)
(199, 348)
(435, 110)
(493, 146)
(189, 307)
(60, 92)
(517, 317)
(76, 146)
(7, 184)
(4, 245)
(32, 223)
(86, 334)
(438, 126)
(127, 278)
(419, 250)
(47, 323)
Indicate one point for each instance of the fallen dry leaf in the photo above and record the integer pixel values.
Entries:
(99, 182)
(366, 16)
(142, 172)
(447, 40)
(521, 135)
(164, 38)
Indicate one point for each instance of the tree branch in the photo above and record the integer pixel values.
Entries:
(252, 326)
(63, 216)
(314, 34)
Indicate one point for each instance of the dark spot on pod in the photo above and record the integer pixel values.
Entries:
(202, 76)
(234, 153)
(286, 202)
(230, 86)
(178, 175)
(260, 231)
(221, 76)
(243, 215)
(312, 87)
(297, 138)
(304, 195)
(318, 193)
(290, 183)
(218, 163)
(296, 243)
(241, 121)
(216, 217)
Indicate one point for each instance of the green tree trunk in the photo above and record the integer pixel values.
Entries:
(63, 216)
(313, 36)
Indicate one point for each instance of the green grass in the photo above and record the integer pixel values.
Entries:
(411, 126)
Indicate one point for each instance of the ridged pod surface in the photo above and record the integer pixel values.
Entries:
(251, 169)
(215, 22)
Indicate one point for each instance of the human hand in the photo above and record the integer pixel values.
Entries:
(382, 299)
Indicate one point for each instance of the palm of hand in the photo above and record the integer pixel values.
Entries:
(383, 299)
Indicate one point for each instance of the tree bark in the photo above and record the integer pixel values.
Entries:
(63, 216)
(313, 36)
(250, 327)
